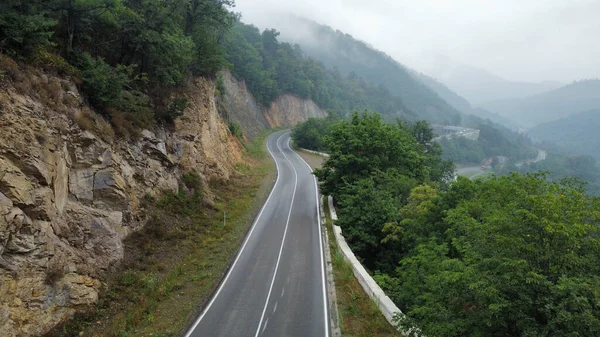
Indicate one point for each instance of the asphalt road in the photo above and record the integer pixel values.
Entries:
(276, 285)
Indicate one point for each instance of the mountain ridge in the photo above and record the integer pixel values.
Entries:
(351, 56)
(551, 105)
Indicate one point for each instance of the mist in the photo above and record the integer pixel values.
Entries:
(530, 41)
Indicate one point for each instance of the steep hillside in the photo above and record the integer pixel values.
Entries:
(533, 110)
(356, 58)
(71, 191)
(460, 103)
(577, 133)
(239, 106)
(479, 85)
(271, 68)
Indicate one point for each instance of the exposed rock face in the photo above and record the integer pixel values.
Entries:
(68, 197)
(290, 110)
(242, 108)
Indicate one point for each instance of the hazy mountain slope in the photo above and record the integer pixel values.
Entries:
(350, 56)
(445, 93)
(479, 85)
(576, 133)
(460, 103)
(549, 106)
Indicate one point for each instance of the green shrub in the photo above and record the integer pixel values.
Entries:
(236, 130)
(53, 62)
(175, 109)
(220, 86)
(107, 88)
(192, 181)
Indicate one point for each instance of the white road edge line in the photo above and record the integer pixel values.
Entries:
(282, 242)
(191, 330)
(325, 304)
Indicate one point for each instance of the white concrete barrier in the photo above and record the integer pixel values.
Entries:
(316, 152)
(385, 304)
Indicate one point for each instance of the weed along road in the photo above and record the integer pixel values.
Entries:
(276, 285)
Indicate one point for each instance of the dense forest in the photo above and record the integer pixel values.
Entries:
(356, 58)
(271, 68)
(513, 255)
(127, 55)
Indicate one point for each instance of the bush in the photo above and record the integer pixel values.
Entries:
(220, 86)
(236, 130)
(107, 89)
(175, 109)
(53, 62)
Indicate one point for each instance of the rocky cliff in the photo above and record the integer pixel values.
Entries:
(70, 190)
(69, 196)
(240, 106)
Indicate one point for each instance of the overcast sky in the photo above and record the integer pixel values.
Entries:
(525, 40)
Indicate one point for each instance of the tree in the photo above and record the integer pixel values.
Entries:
(365, 207)
(518, 257)
(74, 14)
(24, 27)
(365, 145)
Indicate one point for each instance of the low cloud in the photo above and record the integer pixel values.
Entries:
(532, 40)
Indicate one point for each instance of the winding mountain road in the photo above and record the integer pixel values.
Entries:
(276, 285)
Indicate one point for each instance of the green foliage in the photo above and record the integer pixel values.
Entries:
(24, 27)
(130, 53)
(561, 166)
(371, 170)
(397, 89)
(187, 201)
(311, 133)
(513, 255)
(271, 68)
(220, 85)
(236, 130)
(493, 141)
(365, 145)
(176, 109)
(507, 256)
(107, 89)
(43, 58)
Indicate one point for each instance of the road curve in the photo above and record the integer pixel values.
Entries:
(276, 285)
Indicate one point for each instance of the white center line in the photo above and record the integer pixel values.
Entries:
(189, 333)
(325, 306)
(258, 331)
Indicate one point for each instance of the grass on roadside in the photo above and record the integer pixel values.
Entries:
(174, 264)
(359, 315)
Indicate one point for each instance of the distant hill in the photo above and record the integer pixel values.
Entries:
(549, 106)
(577, 133)
(479, 85)
(351, 56)
(460, 103)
